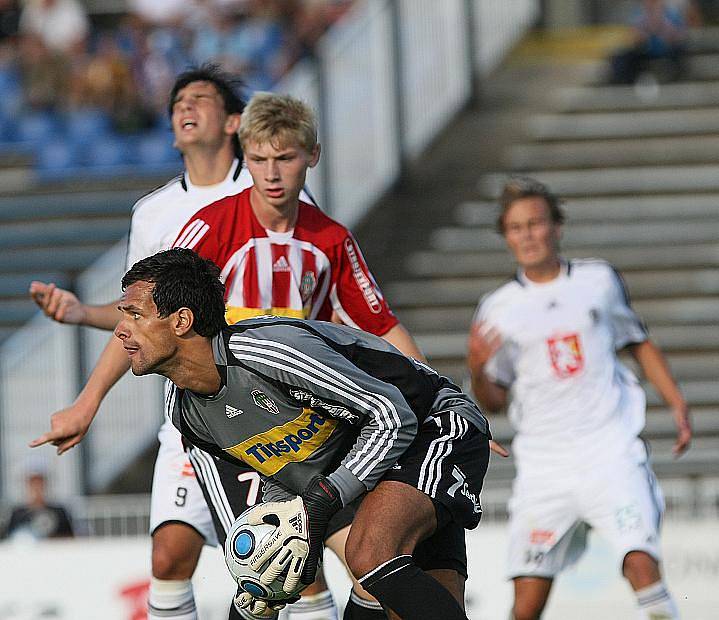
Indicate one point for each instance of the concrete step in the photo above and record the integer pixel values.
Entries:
(674, 339)
(73, 258)
(685, 366)
(609, 208)
(659, 424)
(14, 312)
(608, 181)
(16, 284)
(638, 97)
(641, 284)
(499, 263)
(637, 124)
(656, 312)
(62, 204)
(580, 237)
(620, 152)
(62, 232)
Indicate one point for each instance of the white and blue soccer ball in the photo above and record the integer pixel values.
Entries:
(241, 543)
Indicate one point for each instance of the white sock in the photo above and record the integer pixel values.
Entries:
(171, 600)
(313, 607)
(655, 603)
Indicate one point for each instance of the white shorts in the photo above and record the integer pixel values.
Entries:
(176, 495)
(551, 516)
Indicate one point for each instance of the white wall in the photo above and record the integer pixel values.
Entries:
(83, 579)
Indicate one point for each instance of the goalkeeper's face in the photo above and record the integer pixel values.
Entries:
(150, 341)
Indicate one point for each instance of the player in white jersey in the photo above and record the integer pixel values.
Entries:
(546, 344)
(205, 114)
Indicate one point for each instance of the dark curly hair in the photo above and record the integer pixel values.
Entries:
(183, 279)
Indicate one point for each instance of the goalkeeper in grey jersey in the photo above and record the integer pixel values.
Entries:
(327, 414)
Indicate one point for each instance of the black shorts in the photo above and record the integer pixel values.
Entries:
(445, 549)
(447, 461)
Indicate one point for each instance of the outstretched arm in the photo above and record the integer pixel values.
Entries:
(656, 370)
(68, 426)
(64, 307)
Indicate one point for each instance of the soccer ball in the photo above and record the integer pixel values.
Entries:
(241, 543)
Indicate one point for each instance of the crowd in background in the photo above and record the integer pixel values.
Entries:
(62, 59)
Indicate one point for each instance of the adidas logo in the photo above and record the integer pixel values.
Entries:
(296, 522)
(231, 412)
(281, 264)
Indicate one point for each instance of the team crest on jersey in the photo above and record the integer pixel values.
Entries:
(307, 285)
(262, 400)
(565, 353)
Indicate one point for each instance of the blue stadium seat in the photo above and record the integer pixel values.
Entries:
(36, 127)
(86, 126)
(107, 152)
(56, 158)
(156, 148)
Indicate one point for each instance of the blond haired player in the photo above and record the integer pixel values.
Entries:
(546, 344)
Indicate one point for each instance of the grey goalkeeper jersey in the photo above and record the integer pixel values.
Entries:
(306, 397)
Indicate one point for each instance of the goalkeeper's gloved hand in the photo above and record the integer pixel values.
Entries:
(297, 541)
(257, 608)
(322, 500)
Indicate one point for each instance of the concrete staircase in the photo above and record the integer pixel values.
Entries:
(640, 175)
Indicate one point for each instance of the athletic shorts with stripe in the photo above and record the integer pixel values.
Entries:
(618, 498)
(176, 495)
(449, 457)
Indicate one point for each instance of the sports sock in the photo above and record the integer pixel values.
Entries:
(313, 607)
(360, 609)
(171, 600)
(655, 603)
(411, 593)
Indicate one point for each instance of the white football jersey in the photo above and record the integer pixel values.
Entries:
(558, 358)
(158, 217)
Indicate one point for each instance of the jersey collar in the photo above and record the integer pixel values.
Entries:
(565, 267)
(234, 172)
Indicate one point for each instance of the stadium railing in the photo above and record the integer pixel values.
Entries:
(388, 79)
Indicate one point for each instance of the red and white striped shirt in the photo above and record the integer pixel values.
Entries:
(306, 272)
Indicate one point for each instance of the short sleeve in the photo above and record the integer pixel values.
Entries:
(627, 327)
(500, 367)
(354, 293)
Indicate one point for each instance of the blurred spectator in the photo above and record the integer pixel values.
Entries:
(659, 33)
(37, 518)
(61, 25)
(44, 73)
(9, 21)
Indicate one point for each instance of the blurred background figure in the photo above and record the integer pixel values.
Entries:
(38, 518)
(660, 35)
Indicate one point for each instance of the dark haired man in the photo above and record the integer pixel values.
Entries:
(204, 110)
(551, 336)
(327, 414)
(180, 520)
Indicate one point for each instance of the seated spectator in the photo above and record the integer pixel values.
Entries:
(38, 518)
(62, 25)
(659, 32)
(44, 74)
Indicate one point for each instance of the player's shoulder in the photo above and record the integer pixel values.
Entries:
(158, 194)
(218, 208)
(592, 269)
(505, 293)
(313, 221)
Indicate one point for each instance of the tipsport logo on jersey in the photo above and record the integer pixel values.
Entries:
(293, 442)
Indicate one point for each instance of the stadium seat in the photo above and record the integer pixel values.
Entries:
(36, 127)
(156, 148)
(56, 158)
(86, 126)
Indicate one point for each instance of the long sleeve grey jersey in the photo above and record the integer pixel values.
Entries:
(306, 397)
